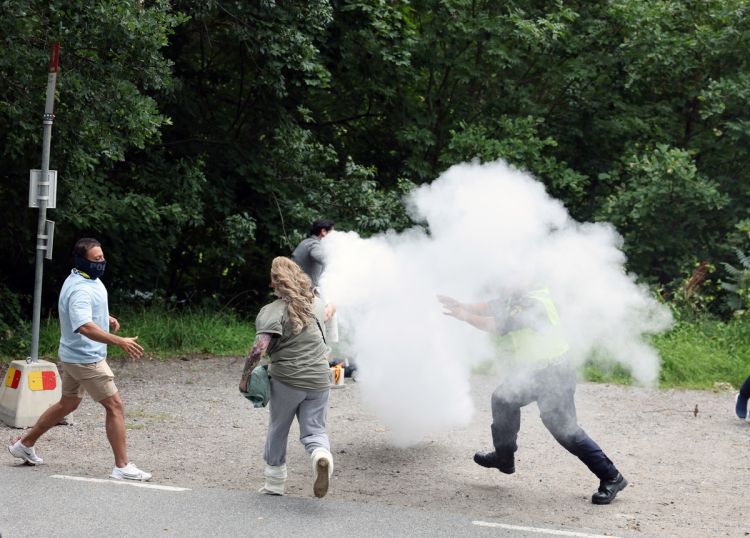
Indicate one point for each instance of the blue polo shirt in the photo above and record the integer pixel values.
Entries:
(82, 300)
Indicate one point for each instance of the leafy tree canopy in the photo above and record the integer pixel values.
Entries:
(198, 139)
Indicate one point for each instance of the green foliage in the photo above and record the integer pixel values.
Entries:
(111, 71)
(685, 77)
(694, 354)
(198, 139)
(737, 284)
(698, 354)
(517, 141)
(169, 333)
(12, 331)
(695, 296)
(664, 208)
(164, 333)
(252, 93)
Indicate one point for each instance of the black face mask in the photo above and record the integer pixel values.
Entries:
(93, 269)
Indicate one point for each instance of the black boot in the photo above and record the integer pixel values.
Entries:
(608, 490)
(504, 463)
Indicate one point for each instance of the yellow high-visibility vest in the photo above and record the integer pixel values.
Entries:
(535, 344)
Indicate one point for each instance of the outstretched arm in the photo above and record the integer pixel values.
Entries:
(129, 345)
(256, 352)
(479, 309)
(477, 314)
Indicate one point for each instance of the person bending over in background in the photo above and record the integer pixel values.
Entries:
(529, 325)
(292, 331)
(84, 334)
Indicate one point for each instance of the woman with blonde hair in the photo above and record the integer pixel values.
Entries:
(292, 331)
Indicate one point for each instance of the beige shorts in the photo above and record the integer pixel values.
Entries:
(97, 379)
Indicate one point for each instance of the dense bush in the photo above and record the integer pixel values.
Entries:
(198, 139)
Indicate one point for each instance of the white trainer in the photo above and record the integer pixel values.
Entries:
(322, 463)
(275, 476)
(130, 472)
(26, 453)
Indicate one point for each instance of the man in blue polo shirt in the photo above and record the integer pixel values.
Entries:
(84, 327)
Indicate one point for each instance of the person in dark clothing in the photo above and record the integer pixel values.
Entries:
(531, 335)
(740, 404)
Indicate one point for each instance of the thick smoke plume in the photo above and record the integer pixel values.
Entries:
(485, 230)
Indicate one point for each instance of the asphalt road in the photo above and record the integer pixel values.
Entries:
(35, 503)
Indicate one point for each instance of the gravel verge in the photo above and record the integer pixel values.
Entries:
(682, 451)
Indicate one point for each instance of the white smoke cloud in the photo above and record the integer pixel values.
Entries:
(485, 229)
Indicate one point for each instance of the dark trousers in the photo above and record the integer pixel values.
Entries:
(745, 389)
(553, 388)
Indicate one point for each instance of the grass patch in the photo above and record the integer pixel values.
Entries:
(167, 334)
(162, 333)
(699, 354)
(694, 354)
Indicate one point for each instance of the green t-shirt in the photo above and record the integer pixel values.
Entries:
(296, 360)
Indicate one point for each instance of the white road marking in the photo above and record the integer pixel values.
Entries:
(540, 530)
(120, 482)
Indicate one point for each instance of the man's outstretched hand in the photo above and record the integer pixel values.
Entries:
(131, 347)
(452, 307)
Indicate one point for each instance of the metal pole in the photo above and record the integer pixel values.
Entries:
(41, 238)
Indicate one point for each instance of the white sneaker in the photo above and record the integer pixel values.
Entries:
(26, 453)
(130, 472)
(275, 476)
(322, 462)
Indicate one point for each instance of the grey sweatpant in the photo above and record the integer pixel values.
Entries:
(310, 407)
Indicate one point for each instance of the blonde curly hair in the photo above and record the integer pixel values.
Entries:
(294, 287)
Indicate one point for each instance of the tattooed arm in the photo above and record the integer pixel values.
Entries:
(259, 347)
